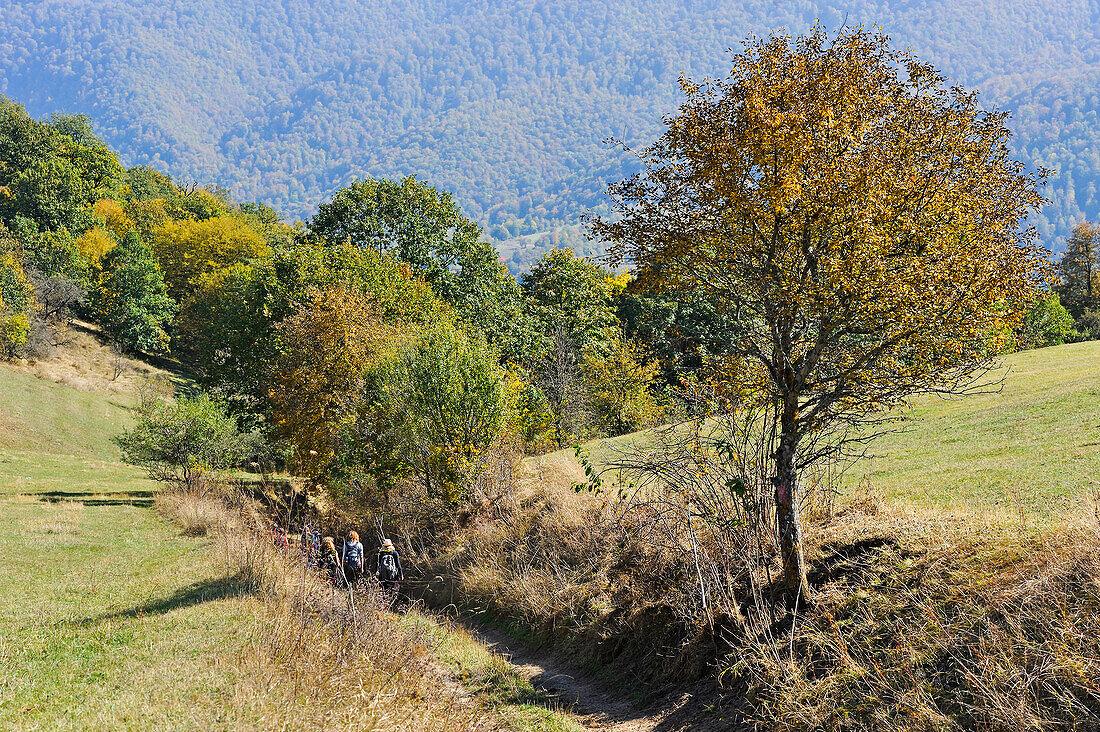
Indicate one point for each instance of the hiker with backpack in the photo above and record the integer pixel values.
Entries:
(352, 559)
(329, 561)
(388, 569)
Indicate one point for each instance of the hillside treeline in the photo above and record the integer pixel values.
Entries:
(250, 303)
(382, 339)
(506, 106)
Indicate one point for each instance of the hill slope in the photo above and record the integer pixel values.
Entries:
(506, 104)
(1032, 445)
(117, 621)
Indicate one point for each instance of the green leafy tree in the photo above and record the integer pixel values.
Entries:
(1089, 324)
(681, 331)
(52, 172)
(1046, 323)
(450, 388)
(619, 379)
(132, 302)
(181, 441)
(53, 253)
(426, 229)
(858, 217)
(142, 183)
(430, 413)
(572, 293)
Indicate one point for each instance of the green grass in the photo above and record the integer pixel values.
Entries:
(1033, 445)
(498, 684)
(113, 621)
(56, 438)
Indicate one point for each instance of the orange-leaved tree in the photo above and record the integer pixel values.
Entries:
(328, 346)
(859, 218)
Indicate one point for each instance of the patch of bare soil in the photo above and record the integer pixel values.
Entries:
(596, 706)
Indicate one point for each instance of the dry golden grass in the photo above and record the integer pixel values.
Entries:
(924, 618)
(319, 658)
(84, 362)
(922, 624)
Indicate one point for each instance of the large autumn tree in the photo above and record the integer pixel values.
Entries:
(859, 218)
(1079, 269)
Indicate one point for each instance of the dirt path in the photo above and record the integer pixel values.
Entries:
(592, 706)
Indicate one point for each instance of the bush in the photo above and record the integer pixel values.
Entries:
(15, 304)
(1089, 324)
(180, 442)
(1046, 324)
(450, 389)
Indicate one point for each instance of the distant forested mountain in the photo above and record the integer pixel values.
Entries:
(505, 103)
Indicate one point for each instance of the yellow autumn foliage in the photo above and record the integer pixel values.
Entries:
(94, 243)
(187, 250)
(114, 217)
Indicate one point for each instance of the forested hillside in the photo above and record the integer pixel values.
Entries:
(506, 104)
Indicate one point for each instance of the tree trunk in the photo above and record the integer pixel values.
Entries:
(789, 521)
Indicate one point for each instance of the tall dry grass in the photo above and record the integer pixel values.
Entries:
(919, 621)
(322, 657)
(935, 627)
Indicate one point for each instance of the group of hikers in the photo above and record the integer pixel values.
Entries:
(347, 566)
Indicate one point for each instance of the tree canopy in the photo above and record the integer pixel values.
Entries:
(861, 221)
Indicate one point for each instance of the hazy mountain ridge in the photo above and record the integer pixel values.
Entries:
(506, 104)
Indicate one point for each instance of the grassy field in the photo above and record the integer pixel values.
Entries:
(57, 438)
(1032, 446)
(115, 620)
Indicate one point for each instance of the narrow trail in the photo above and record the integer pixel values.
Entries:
(592, 706)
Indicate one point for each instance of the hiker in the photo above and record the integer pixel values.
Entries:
(329, 561)
(311, 548)
(280, 539)
(352, 559)
(388, 569)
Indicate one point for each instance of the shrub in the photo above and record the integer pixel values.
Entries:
(1046, 324)
(180, 442)
(447, 390)
(1089, 324)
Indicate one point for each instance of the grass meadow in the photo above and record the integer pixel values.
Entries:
(1032, 445)
(118, 618)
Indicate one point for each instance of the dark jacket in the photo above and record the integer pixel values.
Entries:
(387, 567)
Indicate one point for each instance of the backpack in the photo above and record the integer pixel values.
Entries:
(387, 567)
(354, 555)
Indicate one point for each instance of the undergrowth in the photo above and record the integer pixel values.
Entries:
(918, 622)
(332, 658)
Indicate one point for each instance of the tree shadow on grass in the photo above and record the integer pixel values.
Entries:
(137, 499)
(197, 593)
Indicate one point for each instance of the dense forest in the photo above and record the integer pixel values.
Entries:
(507, 105)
